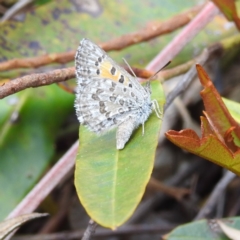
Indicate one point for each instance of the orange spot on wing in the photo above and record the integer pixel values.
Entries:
(105, 72)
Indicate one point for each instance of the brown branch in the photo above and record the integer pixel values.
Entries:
(175, 192)
(89, 232)
(152, 30)
(176, 71)
(34, 62)
(53, 223)
(60, 75)
(215, 49)
(215, 195)
(177, 179)
(184, 37)
(164, 74)
(125, 231)
(56, 76)
(188, 77)
(36, 80)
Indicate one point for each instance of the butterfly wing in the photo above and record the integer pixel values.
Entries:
(100, 108)
(93, 63)
(106, 93)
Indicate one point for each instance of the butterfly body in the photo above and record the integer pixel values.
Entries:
(107, 95)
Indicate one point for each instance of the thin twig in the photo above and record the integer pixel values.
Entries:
(177, 193)
(19, 5)
(90, 230)
(138, 229)
(36, 80)
(63, 208)
(175, 180)
(152, 30)
(215, 195)
(47, 183)
(188, 77)
(34, 62)
(175, 71)
(164, 74)
(184, 37)
(56, 76)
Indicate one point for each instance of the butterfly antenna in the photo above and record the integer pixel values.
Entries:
(129, 67)
(154, 75)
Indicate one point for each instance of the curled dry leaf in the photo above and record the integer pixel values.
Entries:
(9, 225)
(220, 141)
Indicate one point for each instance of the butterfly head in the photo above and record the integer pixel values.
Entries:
(153, 105)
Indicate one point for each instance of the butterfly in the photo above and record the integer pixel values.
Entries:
(107, 96)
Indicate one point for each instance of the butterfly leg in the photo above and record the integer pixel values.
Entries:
(143, 129)
(124, 132)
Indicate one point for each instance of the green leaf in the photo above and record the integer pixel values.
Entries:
(110, 183)
(65, 23)
(201, 230)
(27, 143)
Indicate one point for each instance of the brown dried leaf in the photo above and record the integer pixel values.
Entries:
(9, 225)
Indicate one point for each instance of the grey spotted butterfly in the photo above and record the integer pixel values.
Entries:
(108, 96)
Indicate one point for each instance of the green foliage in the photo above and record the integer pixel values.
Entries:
(27, 142)
(201, 230)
